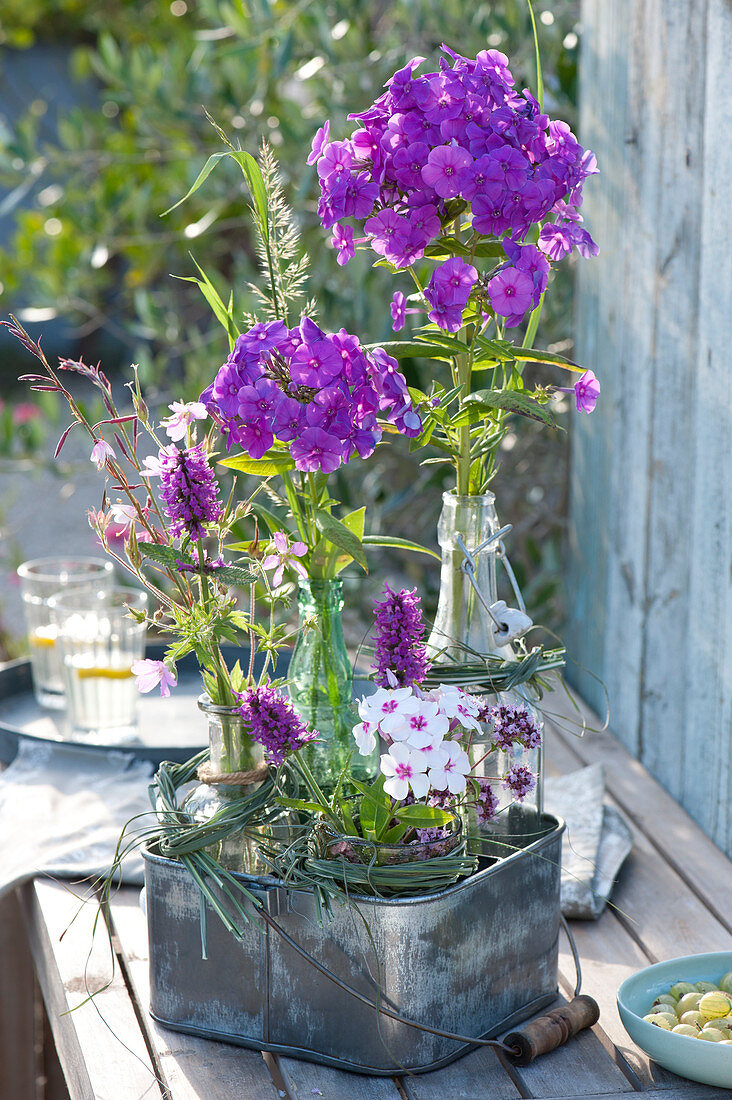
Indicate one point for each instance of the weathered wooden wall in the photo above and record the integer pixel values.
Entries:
(650, 564)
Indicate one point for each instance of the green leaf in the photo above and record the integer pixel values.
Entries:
(264, 467)
(164, 555)
(221, 313)
(340, 535)
(423, 817)
(404, 349)
(512, 401)
(398, 544)
(355, 522)
(235, 574)
(252, 174)
(376, 808)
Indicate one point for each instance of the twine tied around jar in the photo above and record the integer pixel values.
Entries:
(207, 774)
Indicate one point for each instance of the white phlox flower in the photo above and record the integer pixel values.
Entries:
(365, 738)
(416, 721)
(404, 769)
(451, 774)
(372, 708)
(433, 752)
(459, 705)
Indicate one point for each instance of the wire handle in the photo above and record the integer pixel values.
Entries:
(509, 623)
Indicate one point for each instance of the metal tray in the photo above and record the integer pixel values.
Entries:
(169, 729)
(474, 960)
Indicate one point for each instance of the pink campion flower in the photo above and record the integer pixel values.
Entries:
(154, 465)
(285, 554)
(148, 674)
(184, 413)
(122, 518)
(587, 391)
(24, 412)
(101, 451)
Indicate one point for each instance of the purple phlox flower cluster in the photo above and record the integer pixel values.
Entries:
(486, 803)
(189, 490)
(431, 145)
(320, 393)
(520, 780)
(270, 719)
(399, 643)
(514, 725)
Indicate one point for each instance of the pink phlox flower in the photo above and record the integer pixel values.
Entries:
(184, 413)
(148, 674)
(587, 391)
(405, 770)
(284, 554)
(451, 774)
(101, 451)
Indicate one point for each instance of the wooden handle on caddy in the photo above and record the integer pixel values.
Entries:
(553, 1030)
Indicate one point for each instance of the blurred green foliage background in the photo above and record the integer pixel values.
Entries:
(85, 175)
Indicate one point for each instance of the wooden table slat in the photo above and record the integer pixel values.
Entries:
(101, 1048)
(308, 1081)
(655, 813)
(192, 1068)
(475, 1077)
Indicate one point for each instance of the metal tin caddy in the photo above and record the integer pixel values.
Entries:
(474, 960)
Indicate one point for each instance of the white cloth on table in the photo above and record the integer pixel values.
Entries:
(595, 842)
(62, 810)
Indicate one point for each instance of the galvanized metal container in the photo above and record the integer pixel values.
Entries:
(474, 960)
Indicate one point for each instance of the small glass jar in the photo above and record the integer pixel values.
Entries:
(461, 633)
(231, 750)
(333, 845)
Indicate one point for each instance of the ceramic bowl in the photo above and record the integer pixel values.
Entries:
(693, 1058)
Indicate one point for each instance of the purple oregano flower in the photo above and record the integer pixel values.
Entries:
(399, 645)
(520, 780)
(513, 724)
(270, 719)
(189, 490)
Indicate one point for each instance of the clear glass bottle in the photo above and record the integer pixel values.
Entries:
(320, 684)
(232, 750)
(462, 629)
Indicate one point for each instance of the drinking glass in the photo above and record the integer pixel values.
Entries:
(99, 641)
(39, 580)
